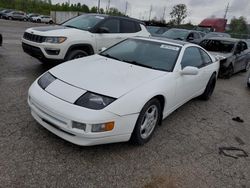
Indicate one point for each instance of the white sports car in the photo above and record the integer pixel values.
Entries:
(124, 92)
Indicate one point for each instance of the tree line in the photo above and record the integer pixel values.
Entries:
(45, 6)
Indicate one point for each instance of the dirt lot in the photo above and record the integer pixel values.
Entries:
(184, 151)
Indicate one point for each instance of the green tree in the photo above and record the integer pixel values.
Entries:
(178, 14)
(238, 25)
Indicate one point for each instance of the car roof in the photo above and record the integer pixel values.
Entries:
(185, 30)
(166, 40)
(120, 17)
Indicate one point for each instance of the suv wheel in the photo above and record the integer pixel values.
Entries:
(75, 54)
(10, 18)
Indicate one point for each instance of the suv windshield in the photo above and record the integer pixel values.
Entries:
(84, 22)
(218, 46)
(150, 54)
(176, 34)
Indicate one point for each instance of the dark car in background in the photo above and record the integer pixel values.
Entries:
(4, 12)
(16, 15)
(183, 34)
(233, 53)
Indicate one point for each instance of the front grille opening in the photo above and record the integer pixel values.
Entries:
(33, 38)
(56, 127)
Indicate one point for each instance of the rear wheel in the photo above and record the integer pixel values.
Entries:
(10, 18)
(38, 21)
(149, 117)
(75, 54)
(50, 22)
(209, 88)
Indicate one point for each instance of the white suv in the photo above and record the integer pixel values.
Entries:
(42, 19)
(81, 36)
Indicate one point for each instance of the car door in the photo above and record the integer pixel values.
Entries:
(108, 34)
(244, 55)
(239, 57)
(189, 86)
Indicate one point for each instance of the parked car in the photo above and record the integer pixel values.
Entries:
(182, 34)
(156, 30)
(124, 92)
(16, 15)
(4, 12)
(31, 15)
(248, 81)
(233, 54)
(217, 34)
(81, 36)
(1, 40)
(42, 19)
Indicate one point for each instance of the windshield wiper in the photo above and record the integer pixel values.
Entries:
(142, 65)
(139, 64)
(109, 56)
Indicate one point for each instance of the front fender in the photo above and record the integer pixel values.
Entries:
(133, 101)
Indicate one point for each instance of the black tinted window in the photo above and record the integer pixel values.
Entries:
(112, 25)
(191, 57)
(128, 26)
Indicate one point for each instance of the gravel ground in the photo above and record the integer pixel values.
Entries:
(184, 151)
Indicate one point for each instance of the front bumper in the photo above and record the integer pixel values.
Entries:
(45, 51)
(57, 116)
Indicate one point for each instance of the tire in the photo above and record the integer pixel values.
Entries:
(246, 67)
(209, 88)
(25, 20)
(143, 129)
(248, 84)
(38, 21)
(10, 18)
(75, 54)
(229, 71)
(50, 22)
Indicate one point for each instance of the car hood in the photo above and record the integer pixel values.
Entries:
(104, 76)
(221, 56)
(56, 30)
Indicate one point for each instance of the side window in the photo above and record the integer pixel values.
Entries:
(191, 57)
(128, 26)
(113, 25)
(205, 57)
(196, 36)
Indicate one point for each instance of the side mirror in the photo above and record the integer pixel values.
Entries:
(190, 38)
(103, 30)
(189, 71)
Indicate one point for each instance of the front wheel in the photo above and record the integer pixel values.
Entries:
(75, 54)
(229, 71)
(246, 67)
(149, 117)
(209, 88)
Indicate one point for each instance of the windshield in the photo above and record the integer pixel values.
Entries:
(84, 22)
(153, 55)
(218, 46)
(176, 34)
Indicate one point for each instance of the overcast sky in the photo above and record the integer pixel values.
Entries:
(197, 9)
